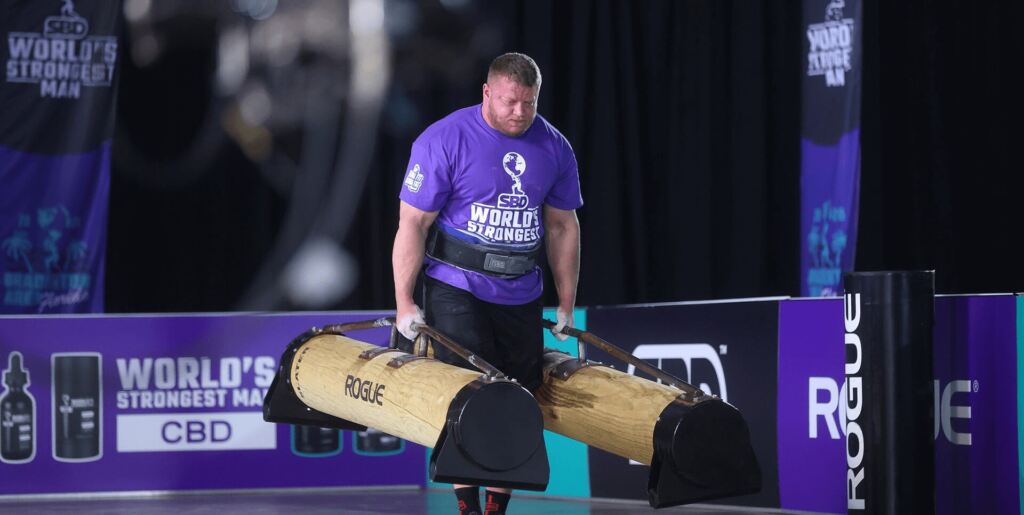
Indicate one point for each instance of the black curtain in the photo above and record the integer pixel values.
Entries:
(942, 132)
(181, 237)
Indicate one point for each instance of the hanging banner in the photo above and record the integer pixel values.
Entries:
(58, 94)
(830, 144)
(171, 403)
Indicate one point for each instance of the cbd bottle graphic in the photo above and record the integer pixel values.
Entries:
(77, 409)
(315, 442)
(17, 414)
(373, 442)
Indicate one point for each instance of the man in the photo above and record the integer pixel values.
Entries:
(486, 186)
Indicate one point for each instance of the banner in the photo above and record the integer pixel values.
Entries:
(154, 403)
(60, 64)
(830, 144)
(812, 424)
(727, 349)
(975, 392)
(975, 402)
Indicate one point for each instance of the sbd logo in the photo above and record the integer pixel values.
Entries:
(509, 201)
(688, 353)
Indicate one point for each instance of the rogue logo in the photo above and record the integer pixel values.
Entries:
(854, 401)
(948, 411)
(364, 390)
(688, 353)
(833, 412)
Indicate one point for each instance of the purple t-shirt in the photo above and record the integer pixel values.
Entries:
(491, 188)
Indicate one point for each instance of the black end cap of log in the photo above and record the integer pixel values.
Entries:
(701, 451)
(281, 405)
(494, 436)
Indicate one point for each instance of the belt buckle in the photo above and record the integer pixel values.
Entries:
(511, 265)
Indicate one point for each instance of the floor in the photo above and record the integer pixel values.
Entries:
(355, 502)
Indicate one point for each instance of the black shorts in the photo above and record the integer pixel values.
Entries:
(510, 337)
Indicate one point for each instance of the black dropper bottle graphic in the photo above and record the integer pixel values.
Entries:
(311, 441)
(17, 414)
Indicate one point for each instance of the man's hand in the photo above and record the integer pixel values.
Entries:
(406, 258)
(564, 319)
(404, 319)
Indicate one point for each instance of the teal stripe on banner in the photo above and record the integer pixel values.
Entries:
(1020, 400)
(570, 469)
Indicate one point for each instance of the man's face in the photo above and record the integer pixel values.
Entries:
(509, 107)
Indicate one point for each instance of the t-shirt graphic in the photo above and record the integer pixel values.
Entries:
(512, 221)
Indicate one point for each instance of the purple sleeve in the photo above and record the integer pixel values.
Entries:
(565, 193)
(427, 183)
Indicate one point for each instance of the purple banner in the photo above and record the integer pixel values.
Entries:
(975, 361)
(143, 403)
(58, 96)
(53, 231)
(976, 402)
(812, 464)
(830, 146)
(829, 191)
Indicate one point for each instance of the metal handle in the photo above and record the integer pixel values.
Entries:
(425, 330)
(480, 363)
(621, 354)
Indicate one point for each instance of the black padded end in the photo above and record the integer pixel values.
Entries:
(494, 436)
(701, 452)
(281, 405)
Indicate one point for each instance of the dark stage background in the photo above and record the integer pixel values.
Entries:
(685, 120)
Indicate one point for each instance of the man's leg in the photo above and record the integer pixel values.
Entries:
(460, 316)
(469, 499)
(519, 345)
(519, 341)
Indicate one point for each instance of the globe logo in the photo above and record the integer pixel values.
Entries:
(514, 164)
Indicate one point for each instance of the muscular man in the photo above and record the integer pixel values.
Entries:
(485, 187)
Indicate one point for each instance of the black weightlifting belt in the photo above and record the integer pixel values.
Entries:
(479, 258)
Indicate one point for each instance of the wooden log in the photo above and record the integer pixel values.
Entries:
(603, 407)
(409, 402)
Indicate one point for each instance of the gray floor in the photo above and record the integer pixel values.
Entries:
(356, 502)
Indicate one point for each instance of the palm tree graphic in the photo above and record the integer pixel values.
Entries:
(50, 246)
(52, 254)
(838, 245)
(45, 217)
(18, 246)
(76, 251)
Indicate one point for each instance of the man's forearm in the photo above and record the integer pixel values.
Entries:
(563, 249)
(406, 260)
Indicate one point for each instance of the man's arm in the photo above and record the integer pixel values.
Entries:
(562, 240)
(407, 257)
